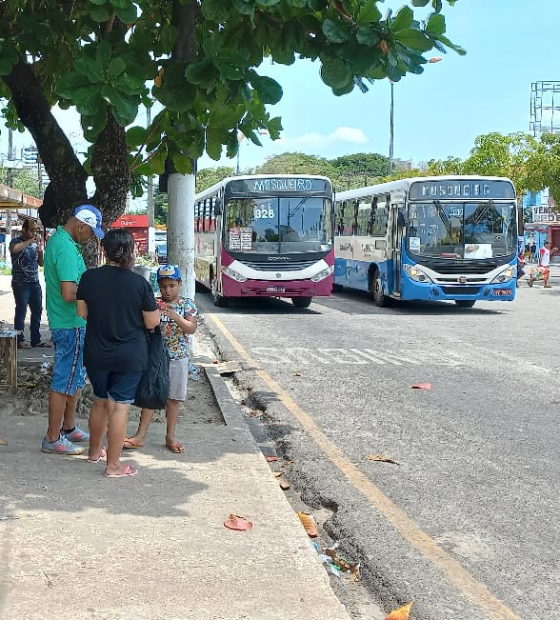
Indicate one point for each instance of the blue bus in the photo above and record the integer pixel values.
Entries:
(441, 238)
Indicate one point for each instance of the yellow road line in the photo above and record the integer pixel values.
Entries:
(465, 583)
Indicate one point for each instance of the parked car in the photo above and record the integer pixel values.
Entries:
(161, 253)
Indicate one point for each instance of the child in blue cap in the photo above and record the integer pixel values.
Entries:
(178, 322)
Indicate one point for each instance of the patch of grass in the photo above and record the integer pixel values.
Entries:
(5, 271)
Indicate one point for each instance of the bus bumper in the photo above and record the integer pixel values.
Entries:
(430, 291)
(269, 288)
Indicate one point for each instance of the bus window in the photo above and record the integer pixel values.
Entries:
(363, 222)
(380, 216)
(348, 221)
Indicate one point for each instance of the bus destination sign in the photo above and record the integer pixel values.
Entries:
(277, 184)
(453, 189)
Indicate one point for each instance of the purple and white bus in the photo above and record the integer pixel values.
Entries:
(265, 236)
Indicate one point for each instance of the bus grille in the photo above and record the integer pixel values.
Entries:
(281, 265)
(475, 267)
(461, 290)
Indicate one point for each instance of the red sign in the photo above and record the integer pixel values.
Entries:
(131, 221)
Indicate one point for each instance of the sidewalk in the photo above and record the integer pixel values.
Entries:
(74, 544)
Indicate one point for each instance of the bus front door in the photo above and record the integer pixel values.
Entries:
(397, 231)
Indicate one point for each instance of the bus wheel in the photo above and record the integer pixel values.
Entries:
(301, 302)
(465, 303)
(217, 299)
(377, 290)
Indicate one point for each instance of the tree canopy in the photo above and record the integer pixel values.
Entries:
(197, 61)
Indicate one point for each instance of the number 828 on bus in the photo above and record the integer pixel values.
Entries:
(264, 213)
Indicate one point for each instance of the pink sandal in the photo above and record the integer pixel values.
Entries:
(102, 456)
(128, 471)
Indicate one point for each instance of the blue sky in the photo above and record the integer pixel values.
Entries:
(439, 113)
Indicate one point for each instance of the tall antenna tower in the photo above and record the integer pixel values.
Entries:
(545, 108)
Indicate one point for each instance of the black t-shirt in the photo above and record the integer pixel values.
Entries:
(115, 333)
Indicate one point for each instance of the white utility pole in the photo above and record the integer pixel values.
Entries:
(180, 227)
(151, 215)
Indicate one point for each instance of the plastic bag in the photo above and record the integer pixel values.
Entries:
(153, 389)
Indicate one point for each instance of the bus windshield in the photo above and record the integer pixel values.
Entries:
(279, 225)
(467, 230)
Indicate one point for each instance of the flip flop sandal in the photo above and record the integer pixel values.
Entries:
(102, 456)
(43, 345)
(128, 471)
(131, 444)
(176, 448)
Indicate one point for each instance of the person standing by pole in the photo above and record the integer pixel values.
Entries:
(64, 266)
(27, 256)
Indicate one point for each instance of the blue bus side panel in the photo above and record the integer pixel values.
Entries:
(354, 274)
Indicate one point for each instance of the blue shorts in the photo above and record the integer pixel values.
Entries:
(118, 386)
(69, 374)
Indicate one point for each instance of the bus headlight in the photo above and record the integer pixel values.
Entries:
(416, 274)
(505, 275)
(325, 273)
(234, 275)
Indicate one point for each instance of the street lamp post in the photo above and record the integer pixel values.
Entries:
(391, 127)
(392, 118)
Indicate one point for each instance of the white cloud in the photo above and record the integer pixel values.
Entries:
(316, 141)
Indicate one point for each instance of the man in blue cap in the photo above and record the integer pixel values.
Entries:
(63, 269)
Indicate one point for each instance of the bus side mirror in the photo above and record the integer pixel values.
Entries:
(218, 207)
(401, 220)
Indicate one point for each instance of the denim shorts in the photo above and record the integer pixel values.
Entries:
(118, 386)
(69, 374)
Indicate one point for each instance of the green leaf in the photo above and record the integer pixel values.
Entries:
(182, 163)
(101, 13)
(97, 2)
(269, 91)
(452, 46)
(120, 4)
(91, 67)
(275, 127)
(420, 2)
(436, 24)
(93, 125)
(136, 136)
(366, 35)
(168, 36)
(215, 10)
(243, 7)
(201, 73)
(369, 13)
(116, 66)
(414, 39)
(103, 53)
(5, 66)
(69, 83)
(403, 19)
(267, 2)
(88, 100)
(214, 142)
(335, 31)
(127, 15)
(335, 73)
(344, 91)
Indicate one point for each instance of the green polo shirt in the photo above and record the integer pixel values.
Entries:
(63, 263)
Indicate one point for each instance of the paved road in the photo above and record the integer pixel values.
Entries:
(466, 524)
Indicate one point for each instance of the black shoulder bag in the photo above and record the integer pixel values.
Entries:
(153, 389)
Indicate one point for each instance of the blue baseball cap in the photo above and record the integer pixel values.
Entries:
(168, 271)
(90, 215)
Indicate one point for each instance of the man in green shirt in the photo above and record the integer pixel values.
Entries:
(63, 269)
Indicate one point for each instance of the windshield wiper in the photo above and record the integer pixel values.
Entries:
(443, 217)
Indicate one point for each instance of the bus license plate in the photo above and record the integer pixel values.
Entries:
(276, 289)
(500, 292)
